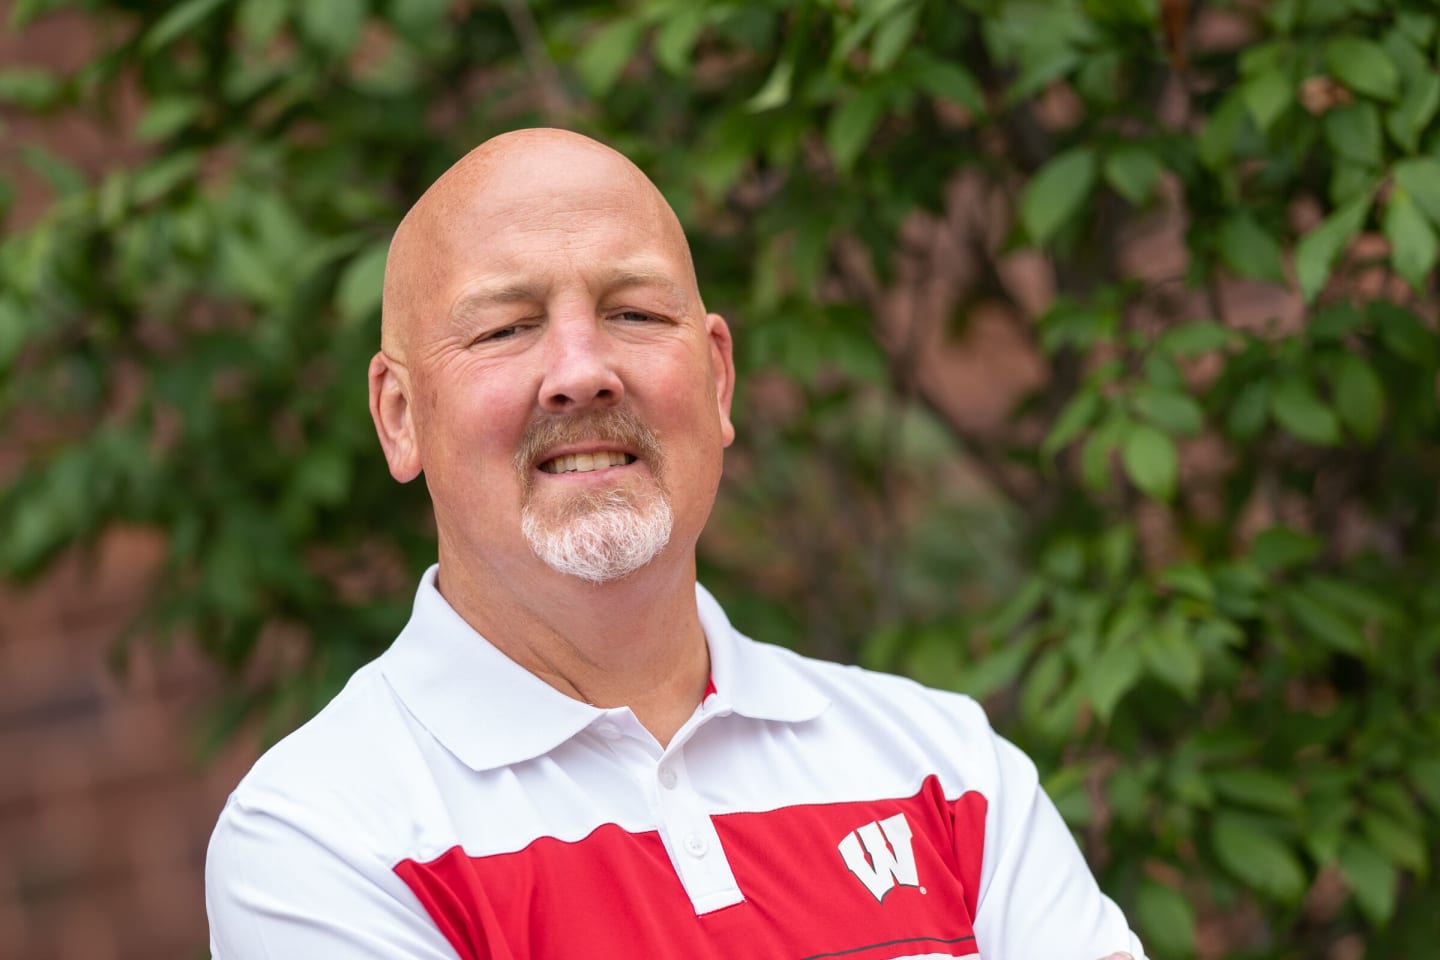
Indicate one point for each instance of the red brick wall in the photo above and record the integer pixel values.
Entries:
(105, 806)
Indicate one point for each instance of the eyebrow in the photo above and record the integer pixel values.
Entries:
(625, 277)
(504, 294)
(497, 295)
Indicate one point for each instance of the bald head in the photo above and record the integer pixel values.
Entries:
(514, 178)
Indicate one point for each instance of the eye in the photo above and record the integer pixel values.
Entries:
(501, 333)
(636, 316)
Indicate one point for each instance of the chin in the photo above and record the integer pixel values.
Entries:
(602, 544)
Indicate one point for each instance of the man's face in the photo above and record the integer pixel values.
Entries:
(567, 393)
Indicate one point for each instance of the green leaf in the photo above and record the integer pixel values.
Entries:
(1350, 178)
(1303, 414)
(357, 295)
(1064, 560)
(1174, 411)
(676, 38)
(1335, 321)
(1172, 658)
(1425, 776)
(1143, 12)
(1259, 789)
(1373, 880)
(1161, 370)
(165, 117)
(1281, 548)
(1066, 788)
(1057, 192)
(1402, 845)
(1257, 858)
(1420, 178)
(1095, 455)
(1409, 118)
(1416, 24)
(946, 80)
(1112, 675)
(1191, 787)
(892, 36)
(1068, 324)
(1403, 333)
(246, 272)
(1329, 810)
(1190, 580)
(1017, 609)
(1363, 66)
(1129, 791)
(1132, 170)
(1317, 250)
(30, 88)
(322, 475)
(1216, 140)
(24, 12)
(177, 21)
(995, 671)
(775, 92)
(1359, 396)
(852, 125)
(1324, 623)
(1353, 132)
(1413, 244)
(1356, 600)
(1078, 414)
(1151, 460)
(158, 178)
(1194, 338)
(261, 20)
(1266, 96)
(334, 25)
(14, 330)
(1250, 250)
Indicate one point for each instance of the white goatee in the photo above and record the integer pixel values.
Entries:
(606, 537)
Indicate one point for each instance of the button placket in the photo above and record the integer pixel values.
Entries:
(690, 838)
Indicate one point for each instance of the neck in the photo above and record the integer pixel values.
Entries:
(635, 642)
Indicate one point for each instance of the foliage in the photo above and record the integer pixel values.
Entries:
(1198, 580)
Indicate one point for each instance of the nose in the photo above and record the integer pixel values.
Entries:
(580, 370)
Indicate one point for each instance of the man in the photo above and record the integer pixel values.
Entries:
(569, 751)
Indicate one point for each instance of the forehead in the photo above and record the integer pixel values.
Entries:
(530, 231)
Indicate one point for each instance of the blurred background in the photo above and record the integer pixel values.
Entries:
(1088, 355)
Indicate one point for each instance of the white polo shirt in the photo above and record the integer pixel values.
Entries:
(449, 803)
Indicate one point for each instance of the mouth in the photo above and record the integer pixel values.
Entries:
(586, 462)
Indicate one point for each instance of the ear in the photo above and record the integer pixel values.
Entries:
(390, 409)
(722, 356)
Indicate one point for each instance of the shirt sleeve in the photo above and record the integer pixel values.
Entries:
(1038, 897)
(276, 891)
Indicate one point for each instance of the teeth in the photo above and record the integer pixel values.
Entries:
(586, 462)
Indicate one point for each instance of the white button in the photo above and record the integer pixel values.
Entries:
(667, 778)
(608, 730)
(696, 846)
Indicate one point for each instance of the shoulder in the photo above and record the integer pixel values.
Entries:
(898, 724)
(342, 780)
(302, 859)
(857, 688)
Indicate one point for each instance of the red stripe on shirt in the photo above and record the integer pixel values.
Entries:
(614, 895)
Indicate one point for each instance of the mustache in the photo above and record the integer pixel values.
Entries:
(614, 425)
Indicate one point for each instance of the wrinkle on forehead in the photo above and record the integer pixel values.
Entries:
(509, 179)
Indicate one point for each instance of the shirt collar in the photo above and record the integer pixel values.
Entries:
(753, 679)
(490, 712)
